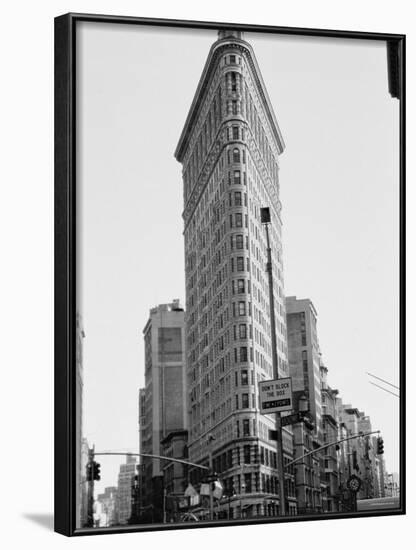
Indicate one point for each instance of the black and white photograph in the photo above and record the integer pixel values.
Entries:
(236, 256)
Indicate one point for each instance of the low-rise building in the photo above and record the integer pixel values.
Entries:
(108, 509)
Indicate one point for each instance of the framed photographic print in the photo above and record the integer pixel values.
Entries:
(229, 282)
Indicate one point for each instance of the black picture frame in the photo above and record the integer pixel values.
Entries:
(65, 253)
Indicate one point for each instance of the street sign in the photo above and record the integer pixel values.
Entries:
(291, 419)
(275, 395)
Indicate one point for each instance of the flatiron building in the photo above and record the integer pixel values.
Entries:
(229, 150)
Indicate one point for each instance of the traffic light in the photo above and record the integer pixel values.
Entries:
(96, 471)
(380, 446)
(89, 471)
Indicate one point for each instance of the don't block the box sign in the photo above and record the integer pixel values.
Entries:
(276, 395)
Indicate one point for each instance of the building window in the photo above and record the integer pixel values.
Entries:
(241, 308)
(232, 59)
(234, 108)
(243, 355)
(244, 378)
(240, 263)
(237, 198)
(235, 132)
(245, 401)
(239, 243)
(236, 401)
(247, 454)
(247, 481)
(243, 332)
(236, 155)
(240, 286)
(246, 427)
(237, 177)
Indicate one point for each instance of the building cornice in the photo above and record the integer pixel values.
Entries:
(210, 66)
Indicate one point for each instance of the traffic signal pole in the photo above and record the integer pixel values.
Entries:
(279, 442)
(331, 445)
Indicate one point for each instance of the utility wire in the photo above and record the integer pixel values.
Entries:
(382, 379)
(388, 391)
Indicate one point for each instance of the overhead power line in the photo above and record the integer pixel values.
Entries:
(382, 380)
(388, 391)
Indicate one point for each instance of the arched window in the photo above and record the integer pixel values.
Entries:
(236, 155)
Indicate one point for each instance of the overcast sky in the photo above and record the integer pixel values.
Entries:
(339, 184)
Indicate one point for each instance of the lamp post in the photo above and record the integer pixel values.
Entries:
(266, 220)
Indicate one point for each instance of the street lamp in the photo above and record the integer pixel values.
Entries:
(266, 220)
